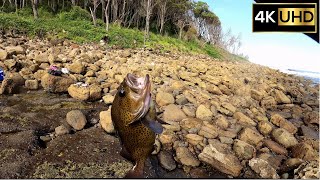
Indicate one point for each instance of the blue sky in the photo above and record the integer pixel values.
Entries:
(277, 50)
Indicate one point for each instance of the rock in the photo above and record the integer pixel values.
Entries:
(263, 168)
(190, 123)
(268, 102)
(275, 147)
(185, 157)
(224, 89)
(279, 121)
(189, 111)
(79, 92)
(283, 137)
(106, 121)
(213, 89)
(307, 171)
(243, 150)
(11, 83)
(76, 67)
(304, 151)
(163, 99)
(76, 119)
(108, 99)
(309, 132)
(221, 121)
(32, 84)
(61, 130)
(311, 118)
(208, 130)
(173, 113)
(56, 84)
(265, 127)
(291, 164)
(3, 54)
(177, 85)
(172, 127)
(229, 107)
(280, 97)
(225, 140)
(194, 139)
(167, 138)
(221, 159)
(243, 119)
(204, 113)
(156, 147)
(257, 95)
(166, 160)
(250, 136)
(41, 58)
(182, 100)
(10, 63)
(94, 92)
(15, 50)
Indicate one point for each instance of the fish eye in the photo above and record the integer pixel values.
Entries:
(122, 93)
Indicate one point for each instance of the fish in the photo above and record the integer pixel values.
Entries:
(134, 117)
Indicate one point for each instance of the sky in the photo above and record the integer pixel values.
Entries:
(276, 50)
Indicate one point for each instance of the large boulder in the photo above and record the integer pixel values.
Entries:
(11, 83)
(84, 93)
(56, 84)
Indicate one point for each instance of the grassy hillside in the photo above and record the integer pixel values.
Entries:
(76, 25)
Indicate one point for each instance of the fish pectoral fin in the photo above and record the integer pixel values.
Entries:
(153, 125)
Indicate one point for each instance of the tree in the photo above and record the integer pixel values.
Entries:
(162, 9)
(94, 11)
(34, 4)
(107, 15)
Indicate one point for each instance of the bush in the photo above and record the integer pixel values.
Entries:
(76, 13)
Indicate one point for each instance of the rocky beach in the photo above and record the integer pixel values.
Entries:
(225, 119)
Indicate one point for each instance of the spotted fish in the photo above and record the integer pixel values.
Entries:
(133, 114)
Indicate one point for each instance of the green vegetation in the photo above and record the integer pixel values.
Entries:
(76, 25)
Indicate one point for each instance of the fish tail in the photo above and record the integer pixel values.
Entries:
(137, 170)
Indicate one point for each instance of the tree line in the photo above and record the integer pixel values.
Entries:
(186, 19)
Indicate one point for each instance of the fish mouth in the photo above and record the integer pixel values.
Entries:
(139, 85)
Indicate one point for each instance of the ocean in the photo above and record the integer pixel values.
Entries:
(313, 76)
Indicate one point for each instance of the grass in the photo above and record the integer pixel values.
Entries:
(76, 25)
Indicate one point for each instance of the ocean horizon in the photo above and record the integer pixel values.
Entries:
(311, 75)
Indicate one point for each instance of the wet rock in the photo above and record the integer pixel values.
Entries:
(283, 137)
(32, 84)
(263, 168)
(275, 147)
(243, 150)
(106, 121)
(204, 113)
(208, 130)
(307, 171)
(194, 139)
(304, 151)
(265, 127)
(243, 119)
(56, 84)
(76, 67)
(163, 99)
(279, 121)
(280, 97)
(185, 157)
(76, 119)
(250, 136)
(221, 159)
(173, 113)
(108, 99)
(166, 160)
(61, 130)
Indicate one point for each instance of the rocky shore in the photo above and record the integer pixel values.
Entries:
(224, 119)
